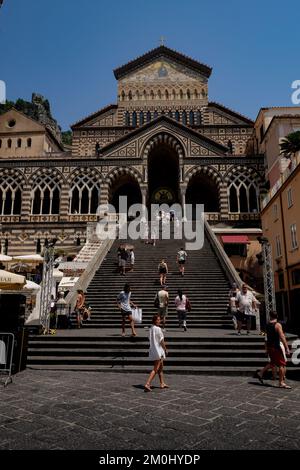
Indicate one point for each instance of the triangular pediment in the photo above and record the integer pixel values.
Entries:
(102, 117)
(162, 53)
(133, 144)
(21, 123)
(220, 114)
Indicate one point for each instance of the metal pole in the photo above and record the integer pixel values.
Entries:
(270, 299)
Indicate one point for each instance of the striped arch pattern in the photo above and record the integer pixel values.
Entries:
(163, 138)
(112, 176)
(214, 176)
(121, 171)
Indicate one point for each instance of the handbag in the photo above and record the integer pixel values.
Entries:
(137, 315)
(188, 305)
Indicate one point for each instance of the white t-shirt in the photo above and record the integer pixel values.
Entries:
(180, 304)
(156, 351)
(124, 300)
(245, 302)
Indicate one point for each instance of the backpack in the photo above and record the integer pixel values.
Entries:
(188, 305)
(156, 301)
(182, 256)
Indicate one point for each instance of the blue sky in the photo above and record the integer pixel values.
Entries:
(67, 49)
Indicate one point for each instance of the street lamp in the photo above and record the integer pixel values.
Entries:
(47, 284)
(270, 299)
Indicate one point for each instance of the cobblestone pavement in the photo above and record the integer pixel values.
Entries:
(90, 410)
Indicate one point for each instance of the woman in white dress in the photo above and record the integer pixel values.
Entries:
(157, 353)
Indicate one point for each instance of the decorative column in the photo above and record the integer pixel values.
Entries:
(183, 202)
(223, 200)
(64, 202)
(26, 203)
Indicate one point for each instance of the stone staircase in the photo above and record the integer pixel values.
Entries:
(210, 346)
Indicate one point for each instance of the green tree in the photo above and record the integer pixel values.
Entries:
(67, 137)
(290, 144)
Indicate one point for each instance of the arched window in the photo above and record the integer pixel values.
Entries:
(144, 95)
(184, 118)
(159, 94)
(151, 95)
(123, 95)
(127, 118)
(148, 116)
(243, 194)
(188, 94)
(191, 118)
(203, 93)
(11, 194)
(84, 195)
(130, 95)
(29, 142)
(243, 199)
(173, 95)
(233, 200)
(181, 94)
(253, 199)
(198, 118)
(166, 94)
(45, 195)
(141, 118)
(137, 94)
(134, 119)
(9, 142)
(195, 94)
(170, 114)
(19, 143)
(177, 116)
(155, 115)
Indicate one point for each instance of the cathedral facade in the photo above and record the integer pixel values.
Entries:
(163, 141)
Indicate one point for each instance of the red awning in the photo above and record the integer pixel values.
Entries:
(242, 239)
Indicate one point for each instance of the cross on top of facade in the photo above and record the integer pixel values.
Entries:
(162, 40)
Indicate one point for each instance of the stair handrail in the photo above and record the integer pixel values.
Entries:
(89, 272)
(222, 255)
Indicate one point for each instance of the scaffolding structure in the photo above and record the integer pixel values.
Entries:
(46, 287)
(268, 273)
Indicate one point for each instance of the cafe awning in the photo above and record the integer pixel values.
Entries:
(11, 281)
(241, 239)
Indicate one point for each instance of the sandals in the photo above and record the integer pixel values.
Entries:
(147, 388)
(287, 387)
(164, 386)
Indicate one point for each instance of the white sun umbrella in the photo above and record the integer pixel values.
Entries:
(57, 274)
(5, 258)
(30, 285)
(29, 258)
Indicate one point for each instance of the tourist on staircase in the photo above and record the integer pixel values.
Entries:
(246, 305)
(124, 304)
(232, 303)
(124, 257)
(163, 271)
(79, 306)
(131, 259)
(182, 306)
(157, 353)
(163, 301)
(181, 259)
